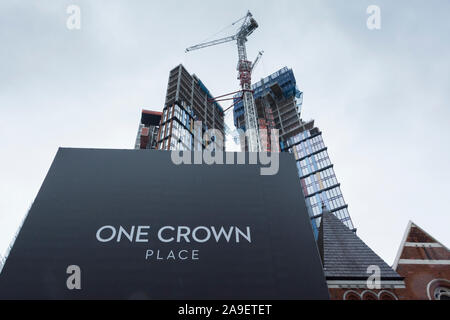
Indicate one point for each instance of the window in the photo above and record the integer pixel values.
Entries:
(351, 295)
(442, 293)
(386, 295)
(369, 295)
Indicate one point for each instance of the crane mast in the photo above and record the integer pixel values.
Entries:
(244, 69)
(245, 77)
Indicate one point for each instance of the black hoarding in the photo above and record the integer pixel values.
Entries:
(130, 224)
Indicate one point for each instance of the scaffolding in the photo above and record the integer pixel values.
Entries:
(277, 99)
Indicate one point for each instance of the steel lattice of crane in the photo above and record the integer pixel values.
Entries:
(244, 75)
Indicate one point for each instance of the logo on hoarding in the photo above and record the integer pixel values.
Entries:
(175, 235)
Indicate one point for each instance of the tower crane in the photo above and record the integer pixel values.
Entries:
(244, 69)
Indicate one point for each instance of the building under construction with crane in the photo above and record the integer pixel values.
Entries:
(275, 103)
(105, 184)
(244, 69)
(272, 103)
(278, 103)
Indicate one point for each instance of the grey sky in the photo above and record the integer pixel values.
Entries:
(381, 98)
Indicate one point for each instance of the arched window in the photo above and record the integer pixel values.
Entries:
(438, 289)
(369, 295)
(386, 295)
(442, 293)
(351, 295)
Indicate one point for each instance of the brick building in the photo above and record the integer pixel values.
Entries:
(425, 264)
(421, 270)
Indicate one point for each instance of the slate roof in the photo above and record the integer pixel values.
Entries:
(344, 255)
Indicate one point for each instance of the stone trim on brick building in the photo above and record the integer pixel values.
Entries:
(424, 263)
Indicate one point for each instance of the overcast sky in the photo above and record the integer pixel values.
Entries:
(381, 97)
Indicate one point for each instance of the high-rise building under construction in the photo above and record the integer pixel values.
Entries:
(187, 100)
(278, 103)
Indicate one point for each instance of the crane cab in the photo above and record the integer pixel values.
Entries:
(250, 27)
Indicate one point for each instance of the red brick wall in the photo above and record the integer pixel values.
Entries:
(418, 276)
(417, 235)
(425, 253)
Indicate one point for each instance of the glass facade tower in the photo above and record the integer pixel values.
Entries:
(278, 96)
(319, 184)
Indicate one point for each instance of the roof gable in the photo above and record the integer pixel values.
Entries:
(414, 234)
